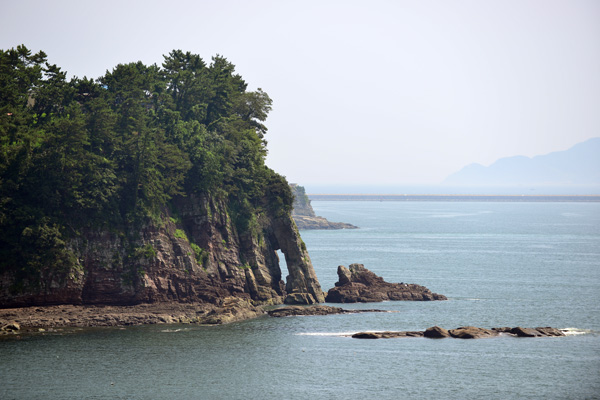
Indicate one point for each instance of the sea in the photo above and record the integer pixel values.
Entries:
(500, 264)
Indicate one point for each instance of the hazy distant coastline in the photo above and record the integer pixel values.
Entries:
(576, 167)
(453, 197)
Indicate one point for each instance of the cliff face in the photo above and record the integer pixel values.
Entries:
(197, 257)
(305, 216)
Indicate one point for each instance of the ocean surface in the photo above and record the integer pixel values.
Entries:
(499, 263)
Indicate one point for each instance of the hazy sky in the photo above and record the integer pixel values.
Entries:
(380, 92)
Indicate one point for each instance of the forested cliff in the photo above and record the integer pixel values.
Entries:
(147, 184)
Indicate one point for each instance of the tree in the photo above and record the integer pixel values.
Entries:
(114, 152)
(254, 107)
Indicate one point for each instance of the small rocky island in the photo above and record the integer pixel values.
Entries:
(305, 216)
(357, 284)
(464, 332)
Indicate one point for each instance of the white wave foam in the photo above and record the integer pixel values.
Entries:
(576, 331)
(325, 333)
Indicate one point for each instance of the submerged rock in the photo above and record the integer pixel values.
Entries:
(386, 335)
(314, 310)
(359, 285)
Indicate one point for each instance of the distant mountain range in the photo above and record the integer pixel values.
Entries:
(577, 166)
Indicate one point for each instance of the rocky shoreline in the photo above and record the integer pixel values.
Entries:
(356, 284)
(40, 319)
(59, 318)
(304, 222)
(33, 319)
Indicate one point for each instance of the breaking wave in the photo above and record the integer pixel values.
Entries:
(576, 331)
(326, 333)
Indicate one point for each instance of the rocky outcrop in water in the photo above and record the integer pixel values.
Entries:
(197, 255)
(305, 216)
(291, 311)
(464, 332)
(358, 284)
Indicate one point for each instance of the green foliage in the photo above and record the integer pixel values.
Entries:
(180, 233)
(146, 251)
(200, 253)
(279, 194)
(112, 153)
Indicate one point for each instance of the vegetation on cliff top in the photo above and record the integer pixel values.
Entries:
(111, 153)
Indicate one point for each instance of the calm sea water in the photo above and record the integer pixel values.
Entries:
(501, 264)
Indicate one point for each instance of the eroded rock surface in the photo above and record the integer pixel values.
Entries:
(195, 256)
(357, 284)
(228, 310)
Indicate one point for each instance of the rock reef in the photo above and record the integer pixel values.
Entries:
(28, 319)
(464, 332)
(357, 284)
(290, 311)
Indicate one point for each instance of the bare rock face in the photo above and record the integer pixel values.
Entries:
(471, 332)
(435, 332)
(358, 284)
(535, 332)
(195, 256)
(302, 285)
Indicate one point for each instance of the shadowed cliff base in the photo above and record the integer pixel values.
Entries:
(199, 256)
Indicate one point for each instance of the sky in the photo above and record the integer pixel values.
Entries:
(364, 92)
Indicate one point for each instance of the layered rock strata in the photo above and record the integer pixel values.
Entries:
(195, 256)
(358, 284)
(464, 332)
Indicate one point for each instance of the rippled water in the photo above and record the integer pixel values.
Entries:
(501, 264)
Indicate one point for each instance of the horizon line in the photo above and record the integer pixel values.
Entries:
(451, 194)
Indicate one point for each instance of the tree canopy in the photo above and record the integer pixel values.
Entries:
(114, 151)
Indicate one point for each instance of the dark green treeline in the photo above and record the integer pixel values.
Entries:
(112, 153)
